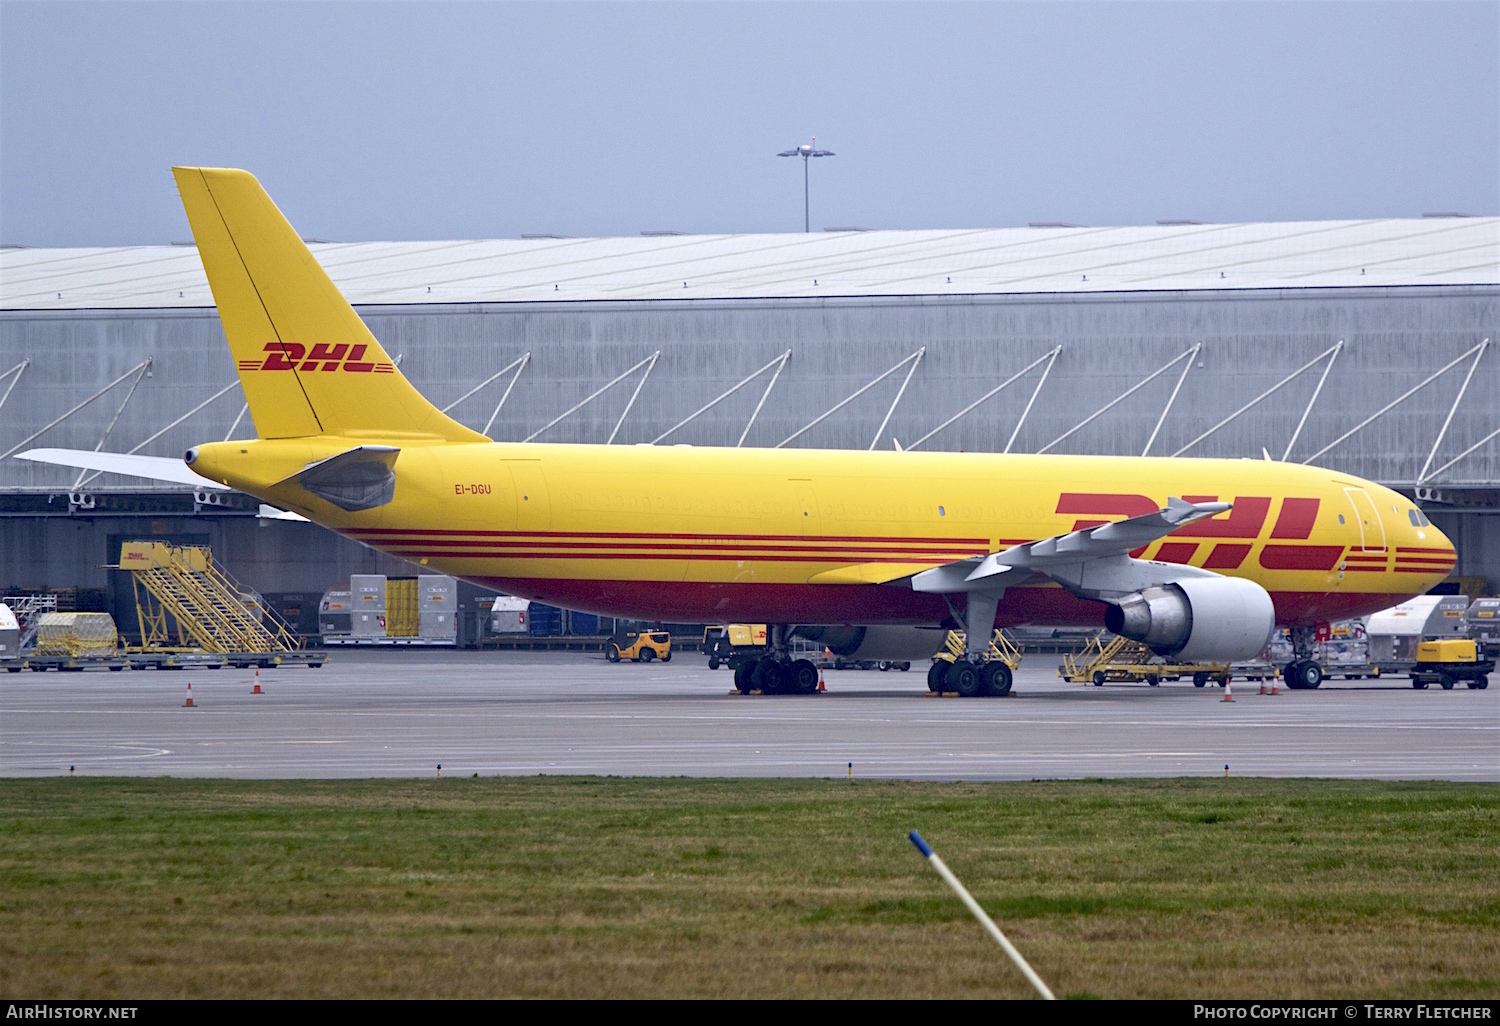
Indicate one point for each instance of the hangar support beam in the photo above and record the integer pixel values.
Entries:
(140, 367)
(648, 363)
(1479, 349)
(780, 360)
(913, 359)
(82, 480)
(1126, 395)
(1050, 357)
(1332, 353)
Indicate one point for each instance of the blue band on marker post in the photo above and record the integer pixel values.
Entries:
(916, 839)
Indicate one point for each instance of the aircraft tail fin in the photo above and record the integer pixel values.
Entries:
(308, 364)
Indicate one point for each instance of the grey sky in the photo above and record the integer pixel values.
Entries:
(415, 121)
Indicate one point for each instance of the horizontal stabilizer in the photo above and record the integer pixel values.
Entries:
(153, 468)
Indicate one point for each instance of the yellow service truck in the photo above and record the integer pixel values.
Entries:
(724, 641)
(1449, 661)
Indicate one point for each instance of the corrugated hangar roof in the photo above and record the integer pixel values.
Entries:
(1307, 254)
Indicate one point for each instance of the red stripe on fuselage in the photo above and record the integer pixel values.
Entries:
(740, 602)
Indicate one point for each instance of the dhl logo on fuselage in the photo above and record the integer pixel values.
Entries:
(1294, 523)
(327, 356)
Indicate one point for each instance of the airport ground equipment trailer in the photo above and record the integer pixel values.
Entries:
(1110, 658)
(952, 673)
(1449, 661)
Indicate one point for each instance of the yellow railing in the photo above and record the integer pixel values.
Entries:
(208, 608)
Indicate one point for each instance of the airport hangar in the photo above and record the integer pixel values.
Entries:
(1364, 346)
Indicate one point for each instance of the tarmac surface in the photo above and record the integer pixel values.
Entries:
(402, 713)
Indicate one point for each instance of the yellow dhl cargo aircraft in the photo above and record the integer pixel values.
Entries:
(868, 551)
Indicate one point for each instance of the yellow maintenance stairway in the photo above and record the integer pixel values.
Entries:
(210, 611)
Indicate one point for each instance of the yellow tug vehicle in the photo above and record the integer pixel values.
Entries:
(639, 646)
(1449, 661)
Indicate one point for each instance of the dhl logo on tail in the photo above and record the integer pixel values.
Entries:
(328, 356)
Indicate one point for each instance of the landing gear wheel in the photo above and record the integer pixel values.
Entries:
(997, 679)
(768, 676)
(742, 674)
(1099, 678)
(612, 653)
(802, 678)
(1307, 674)
(963, 677)
(1200, 680)
(647, 654)
(937, 676)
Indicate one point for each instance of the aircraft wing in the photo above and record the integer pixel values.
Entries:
(1093, 562)
(153, 468)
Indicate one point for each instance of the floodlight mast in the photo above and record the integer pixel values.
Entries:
(806, 152)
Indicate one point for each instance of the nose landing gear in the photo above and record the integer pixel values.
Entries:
(1303, 673)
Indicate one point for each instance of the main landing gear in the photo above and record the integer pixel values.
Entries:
(969, 678)
(1303, 673)
(776, 673)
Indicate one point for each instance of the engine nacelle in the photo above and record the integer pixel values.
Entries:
(893, 644)
(1200, 619)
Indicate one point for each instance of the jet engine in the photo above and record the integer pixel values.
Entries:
(893, 644)
(1207, 619)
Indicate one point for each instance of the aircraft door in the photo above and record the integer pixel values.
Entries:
(533, 504)
(807, 506)
(1367, 516)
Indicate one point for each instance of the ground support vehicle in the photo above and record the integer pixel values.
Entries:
(1449, 661)
(1110, 658)
(951, 673)
(729, 644)
(639, 646)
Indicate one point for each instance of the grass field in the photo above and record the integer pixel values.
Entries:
(650, 887)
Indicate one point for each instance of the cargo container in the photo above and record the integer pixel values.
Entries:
(1482, 619)
(367, 609)
(76, 634)
(437, 607)
(509, 615)
(333, 612)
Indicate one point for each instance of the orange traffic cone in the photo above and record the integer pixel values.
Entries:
(189, 703)
(820, 680)
(1274, 677)
(1228, 690)
(1263, 685)
(257, 683)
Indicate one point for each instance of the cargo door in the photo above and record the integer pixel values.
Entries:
(1367, 516)
(533, 506)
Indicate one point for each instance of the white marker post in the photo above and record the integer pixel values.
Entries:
(979, 914)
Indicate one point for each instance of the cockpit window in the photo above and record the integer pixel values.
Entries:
(1411, 515)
